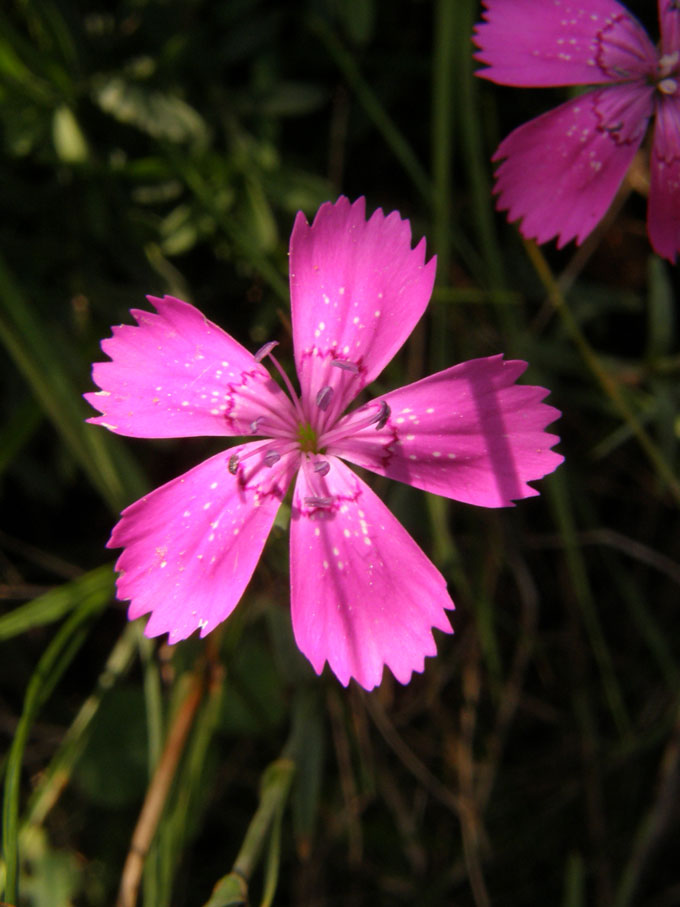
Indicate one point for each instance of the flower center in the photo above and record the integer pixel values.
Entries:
(307, 438)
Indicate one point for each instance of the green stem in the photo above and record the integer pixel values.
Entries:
(605, 380)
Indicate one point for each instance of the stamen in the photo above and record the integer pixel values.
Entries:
(322, 467)
(383, 416)
(318, 502)
(345, 365)
(255, 425)
(323, 398)
(233, 464)
(265, 350)
(271, 457)
(668, 86)
(668, 61)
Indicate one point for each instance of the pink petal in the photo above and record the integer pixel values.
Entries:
(191, 546)
(562, 169)
(357, 291)
(468, 433)
(179, 375)
(669, 20)
(363, 594)
(555, 42)
(664, 189)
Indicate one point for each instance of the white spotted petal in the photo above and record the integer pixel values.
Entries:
(363, 594)
(469, 433)
(191, 545)
(357, 291)
(178, 375)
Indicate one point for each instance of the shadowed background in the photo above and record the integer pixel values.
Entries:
(159, 146)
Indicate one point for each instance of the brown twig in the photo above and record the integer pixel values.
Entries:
(158, 791)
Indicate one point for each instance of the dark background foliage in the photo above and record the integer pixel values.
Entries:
(158, 146)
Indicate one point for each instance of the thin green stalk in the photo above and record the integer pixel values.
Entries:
(51, 666)
(368, 99)
(605, 380)
(476, 162)
(559, 498)
(26, 339)
(58, 772)
(442, 137)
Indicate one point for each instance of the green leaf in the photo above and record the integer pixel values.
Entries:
(95, 587)
(160, 115)
(69, 142)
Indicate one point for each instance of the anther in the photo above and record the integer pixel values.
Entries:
(255, 425)
(318, 502)
(323, 398)
(383, 416)
(271, 457)
(233, 464)
(345, 365)
(668, 86)
(322, 467)
(265, 350)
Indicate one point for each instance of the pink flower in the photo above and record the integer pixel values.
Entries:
(561, 171)
(363, 594)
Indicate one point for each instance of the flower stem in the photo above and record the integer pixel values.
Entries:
(607, 383)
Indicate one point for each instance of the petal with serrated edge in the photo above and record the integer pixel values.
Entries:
(561, 170)
(191, 545)
(363, 594)
(542, 43)
(178, 375)
(357, 291)
(664, 188)
(469, 433)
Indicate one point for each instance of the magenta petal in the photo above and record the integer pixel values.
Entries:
(363, 594)
(468, 433)
(552, 42)
(669, 21)
(357, 291)
(562, 169)
(191, 546)
(179, 375)
(664, 189)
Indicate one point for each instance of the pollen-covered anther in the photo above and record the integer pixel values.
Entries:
(383, 415)
(318, 501)
(233, 464)
(322, 467)
(271, 457)
(265, 350)
(668, 86)
(346, 366)
(668, 62)
(323, 398)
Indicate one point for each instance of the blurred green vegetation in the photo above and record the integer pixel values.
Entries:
(164, 146)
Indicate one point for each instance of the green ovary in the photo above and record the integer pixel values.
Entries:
(307, 438)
